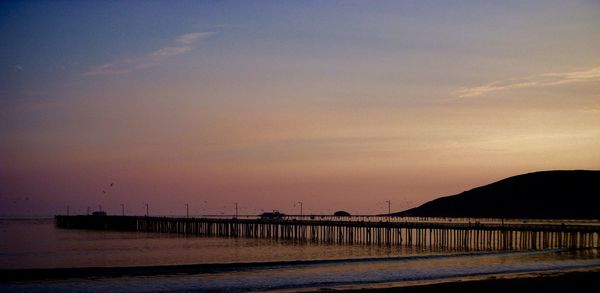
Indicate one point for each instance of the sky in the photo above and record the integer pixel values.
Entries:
(340, 105)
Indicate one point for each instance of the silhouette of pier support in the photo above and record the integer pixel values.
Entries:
(471, 236)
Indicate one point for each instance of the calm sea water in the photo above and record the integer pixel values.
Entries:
(38, 244)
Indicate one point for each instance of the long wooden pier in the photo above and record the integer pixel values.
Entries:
(460, 235)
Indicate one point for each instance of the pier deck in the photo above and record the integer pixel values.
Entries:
(473, 235)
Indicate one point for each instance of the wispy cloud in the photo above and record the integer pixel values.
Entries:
(182, 45)
(193, 37)
(171, 51)
(575, 76)
(545, 79)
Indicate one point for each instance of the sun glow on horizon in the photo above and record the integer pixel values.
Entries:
(337, 106)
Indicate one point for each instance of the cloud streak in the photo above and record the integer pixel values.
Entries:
(171, 51)
(542, 80)
(193, 37)
(182, 45)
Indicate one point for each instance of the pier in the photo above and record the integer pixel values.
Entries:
(469, 235)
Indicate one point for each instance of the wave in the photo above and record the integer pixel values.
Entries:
(190, 269)
(355, 285)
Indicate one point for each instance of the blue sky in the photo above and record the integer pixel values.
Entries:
(48, 42)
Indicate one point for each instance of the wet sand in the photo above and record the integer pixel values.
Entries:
(570, 281)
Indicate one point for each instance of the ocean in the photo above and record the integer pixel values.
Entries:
(240, 264)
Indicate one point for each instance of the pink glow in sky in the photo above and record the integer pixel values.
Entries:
(341, 106)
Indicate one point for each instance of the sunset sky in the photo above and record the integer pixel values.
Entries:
(341, 105)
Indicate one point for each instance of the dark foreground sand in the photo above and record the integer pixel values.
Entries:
(581, 280)
(575, 281)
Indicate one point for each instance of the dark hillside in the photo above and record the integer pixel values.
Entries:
(544, 195)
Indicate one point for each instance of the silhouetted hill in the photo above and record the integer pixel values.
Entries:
(543, 195)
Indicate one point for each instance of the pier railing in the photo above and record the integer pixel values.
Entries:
(475, 235)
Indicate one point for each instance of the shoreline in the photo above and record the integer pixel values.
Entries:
(580, 275)
(581, 279)
(556, 280)
(41, 274)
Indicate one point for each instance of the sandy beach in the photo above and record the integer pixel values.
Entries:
(549, 281)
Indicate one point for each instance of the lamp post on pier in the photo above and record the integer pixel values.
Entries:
(389, 202)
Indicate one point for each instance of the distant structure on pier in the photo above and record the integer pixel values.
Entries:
(274, 215)
(341, 214)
